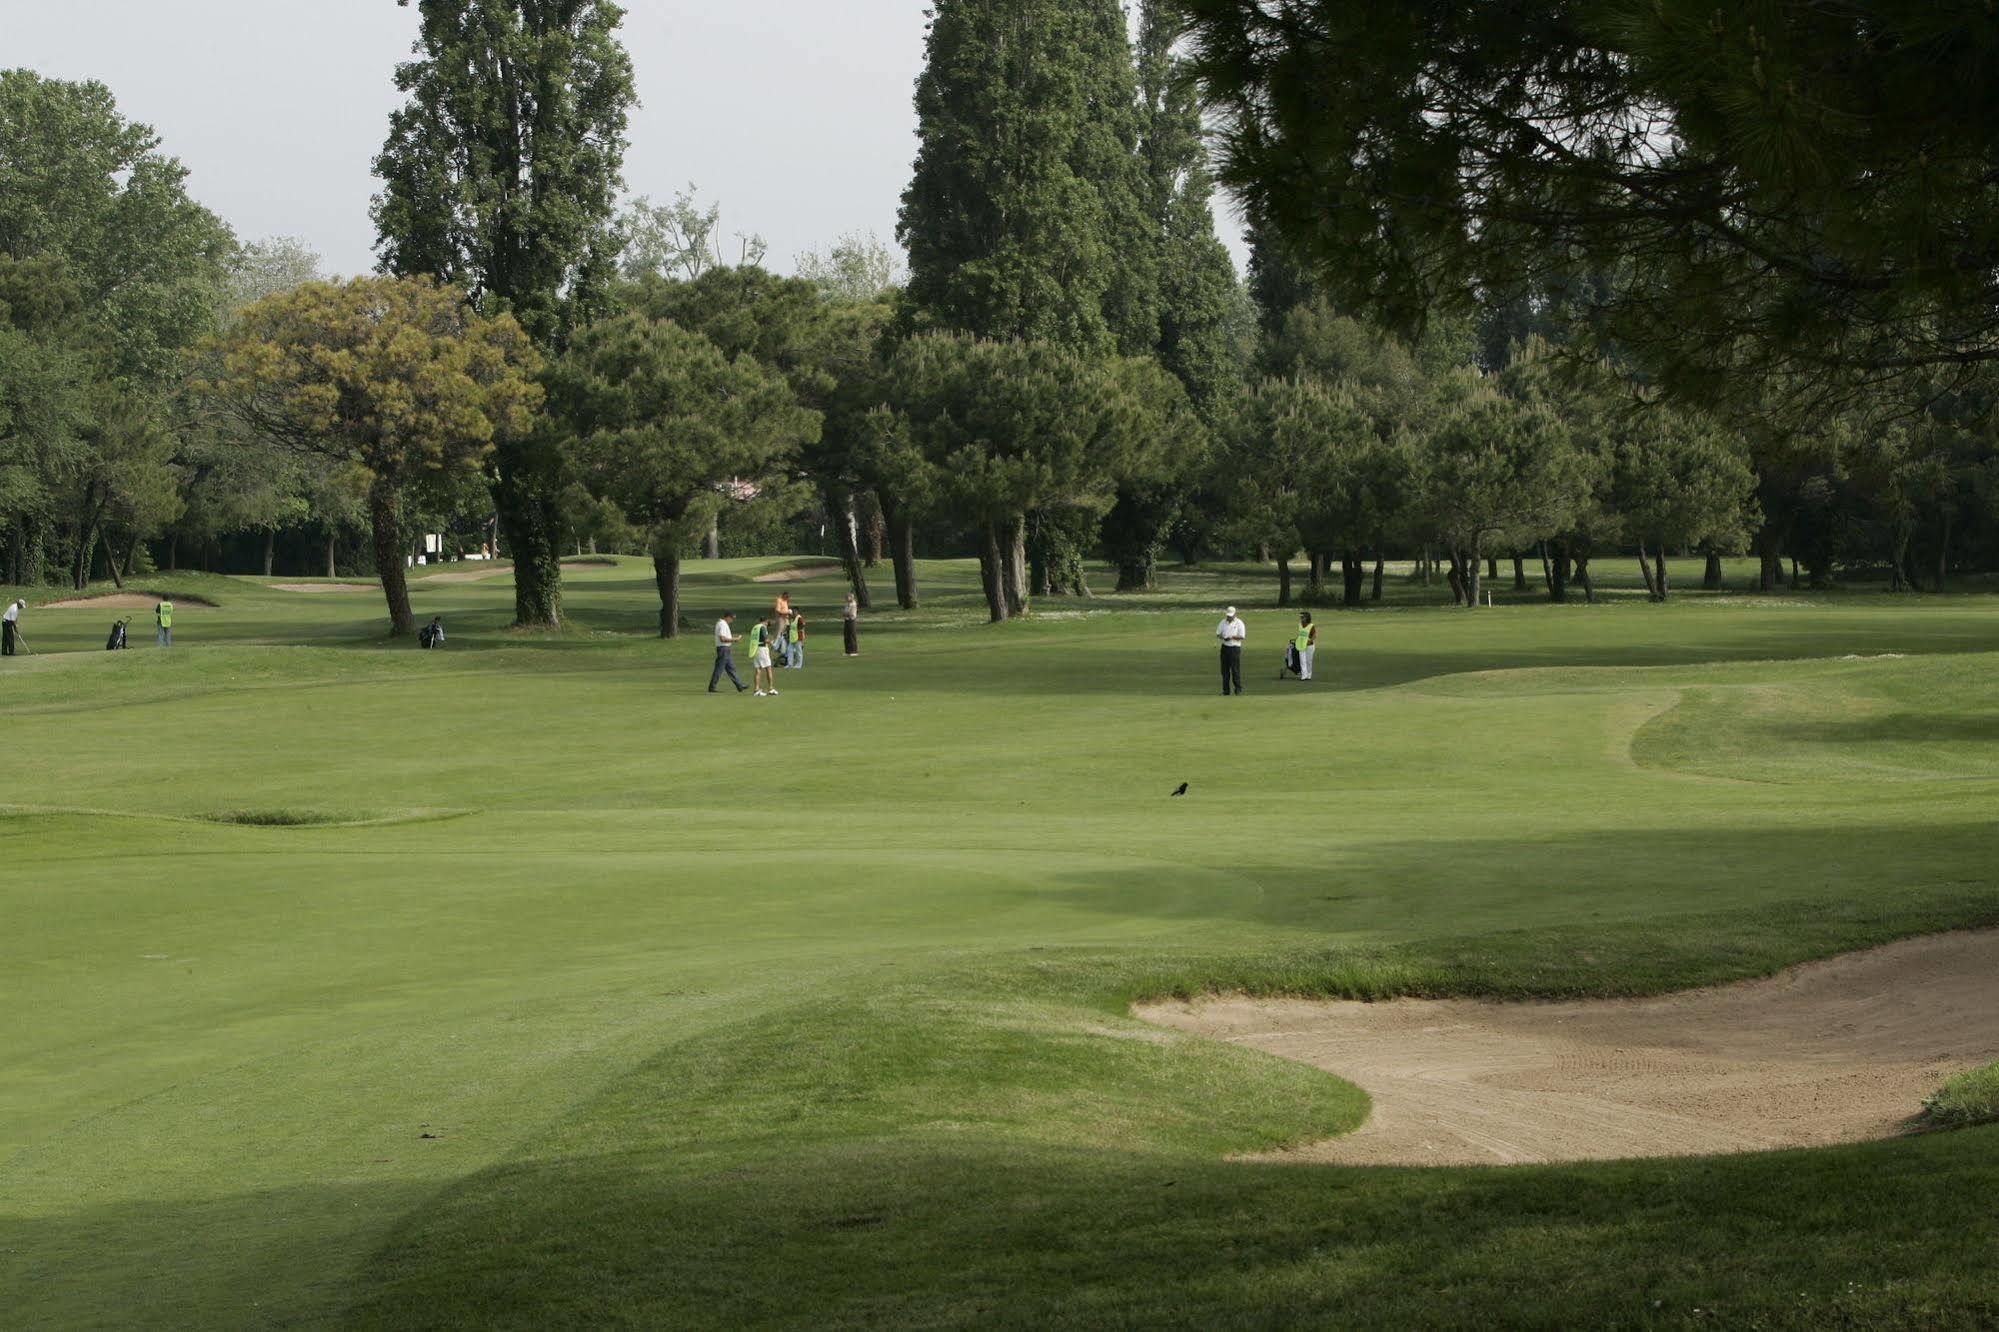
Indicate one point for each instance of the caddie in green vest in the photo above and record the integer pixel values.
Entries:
(1307, 643)
(164, 615)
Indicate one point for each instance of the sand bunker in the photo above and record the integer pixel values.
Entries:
(122, 601)
(798, 572)
(1835, 1051)
(483, 571)
(325, 587)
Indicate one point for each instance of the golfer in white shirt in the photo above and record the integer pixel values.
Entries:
(725, 657)
(1231, 631)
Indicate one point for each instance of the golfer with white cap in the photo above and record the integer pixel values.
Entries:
(1231, 631)
(10, 627)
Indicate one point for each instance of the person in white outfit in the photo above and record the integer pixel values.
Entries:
(1231, 631)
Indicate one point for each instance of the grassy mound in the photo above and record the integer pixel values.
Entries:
(1972, 1097)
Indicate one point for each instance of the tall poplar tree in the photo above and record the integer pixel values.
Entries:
(501, 172)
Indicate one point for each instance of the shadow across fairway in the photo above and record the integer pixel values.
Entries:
(915, 1231)
(1542, 884)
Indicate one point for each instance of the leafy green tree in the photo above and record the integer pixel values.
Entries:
(46, 379)
(1200, 314)
(859, 266)
(680, 240)
(110, 272)
(1007, 428)
(1497, 471)
(1793, 196)
(400, 377)
(501, 172)
(1678, 481)
(81, 185)
(826, 349)
(1173, 447)
(659, 418)
(1026, 215)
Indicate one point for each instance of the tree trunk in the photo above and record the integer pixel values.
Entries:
(1492, 567)
(1429, 563)
(1038, 578)
(992, 578)
(1943, 546)
(1794, 573)
(1645, 572)
(1380, 566)
(86, 536)
(270, 548)
(1284, 582)
(1478, 569)
(901, 549)
(1013, 570)
(332, 537)
(874, 531)
(1519, 572)
(173, 552)
(1460, 586)
(385, 521)
(1659, 563)
(1353, 577)
(666, 576)
(1769, 559)
(1583, 580)
(711, 541)
(1315, 581)
(524, 492)
(850, 552)
(1711, 576)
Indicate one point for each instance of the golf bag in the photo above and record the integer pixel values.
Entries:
(1293, 663)
(426, 637)
(116, 643)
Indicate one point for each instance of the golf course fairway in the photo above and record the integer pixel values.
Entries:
(527, 984)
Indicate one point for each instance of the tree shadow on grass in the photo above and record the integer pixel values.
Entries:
(916, 1231)
(1602, 913)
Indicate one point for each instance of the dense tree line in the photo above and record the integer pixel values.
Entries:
(1068, 367)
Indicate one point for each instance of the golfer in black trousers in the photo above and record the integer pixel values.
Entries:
(1231, 631)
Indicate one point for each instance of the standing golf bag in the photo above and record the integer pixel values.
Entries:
(1293, 663)
(427, 637)
(116, 642)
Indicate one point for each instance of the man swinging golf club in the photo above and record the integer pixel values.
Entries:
(10, 627)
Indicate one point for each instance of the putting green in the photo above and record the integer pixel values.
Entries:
(526, 983)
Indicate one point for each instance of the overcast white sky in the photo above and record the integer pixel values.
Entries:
(794, 114)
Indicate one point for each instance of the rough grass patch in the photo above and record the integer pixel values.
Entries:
(1971, 1097)
(275, 818)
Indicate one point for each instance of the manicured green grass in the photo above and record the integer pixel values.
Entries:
(525, 983)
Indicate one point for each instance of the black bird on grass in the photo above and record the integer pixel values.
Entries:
(1182, 791)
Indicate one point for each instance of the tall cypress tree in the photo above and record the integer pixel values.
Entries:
(501, 172)
(1199, 334)
(1026, 216)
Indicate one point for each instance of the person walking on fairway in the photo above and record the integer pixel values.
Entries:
(850, 620)
(1307, 642)
(763, 637)
(794, 642)
(1231, 631)
(725, 655)
(163, 615)
(10, 627)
